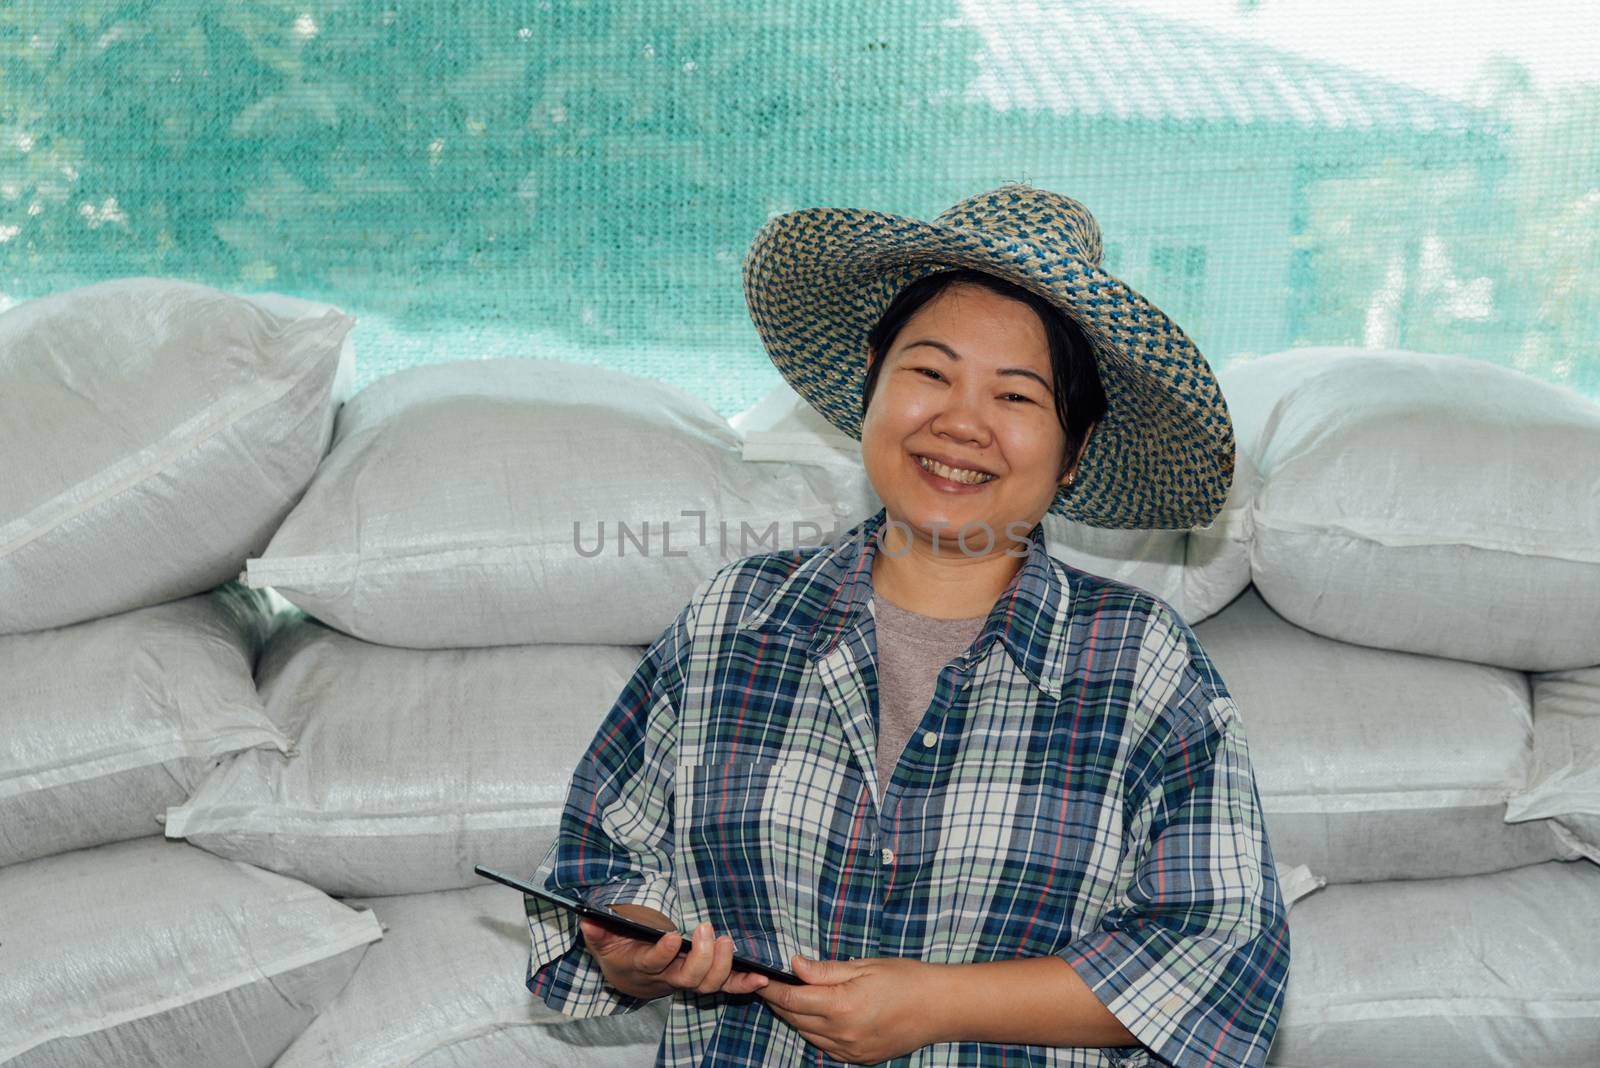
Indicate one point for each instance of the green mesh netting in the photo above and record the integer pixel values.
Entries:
(580, 180)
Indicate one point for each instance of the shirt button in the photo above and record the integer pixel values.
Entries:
(929, 740)
(888, 856)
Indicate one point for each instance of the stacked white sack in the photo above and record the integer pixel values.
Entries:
(447, 522)
(150, 952)
(156, 432)
(1425, 507)
(411, 765)
(441, 991)
(520, 502)
(1433, 504)
(110, 721)
(168, 428)
(465, 641)
(1488, 971)
(1564, 783)
(1374, 764)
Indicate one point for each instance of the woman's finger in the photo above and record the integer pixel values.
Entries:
(636, 953)
(744, 983)
(659, 957)
(596, 937)
(697, 961)
(721, 966)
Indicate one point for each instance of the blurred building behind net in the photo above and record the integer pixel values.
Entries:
(580, 180)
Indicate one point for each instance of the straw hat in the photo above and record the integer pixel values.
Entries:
(817, 280)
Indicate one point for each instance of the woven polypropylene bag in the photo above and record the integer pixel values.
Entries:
(1492, 971)
(109, 722)
(410, 765)
(445, 989)
(294, 308)
(156, 953)
(1434, 504)
(1374, 764)
(1564, 783)
(155, 433)
(503, 502)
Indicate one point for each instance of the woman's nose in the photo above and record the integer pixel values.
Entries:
(960, 415)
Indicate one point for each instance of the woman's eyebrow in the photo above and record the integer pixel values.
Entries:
(954, 355)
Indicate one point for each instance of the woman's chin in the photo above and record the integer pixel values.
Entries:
(947, 520)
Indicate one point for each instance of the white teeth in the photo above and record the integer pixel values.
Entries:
(954, 474)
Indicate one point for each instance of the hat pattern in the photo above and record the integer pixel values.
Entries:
(817, 280)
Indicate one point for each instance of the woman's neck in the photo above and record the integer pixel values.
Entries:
(947, 584)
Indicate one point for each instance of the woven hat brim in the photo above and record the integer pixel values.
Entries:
(816, 281)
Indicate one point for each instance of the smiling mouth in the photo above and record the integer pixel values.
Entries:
(957, 475)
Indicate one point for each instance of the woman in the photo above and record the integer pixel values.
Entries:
(990, 808)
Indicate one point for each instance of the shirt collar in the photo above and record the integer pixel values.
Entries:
(829, 592)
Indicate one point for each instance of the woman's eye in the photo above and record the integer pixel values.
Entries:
(936, 376)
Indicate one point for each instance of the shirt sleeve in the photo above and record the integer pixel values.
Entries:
(1194, 957)
(614, 842)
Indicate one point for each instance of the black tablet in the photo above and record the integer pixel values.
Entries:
(632, 928)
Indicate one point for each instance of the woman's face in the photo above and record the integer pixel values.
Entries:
(966, 381)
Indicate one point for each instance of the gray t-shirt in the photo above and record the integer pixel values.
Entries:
(912, 650)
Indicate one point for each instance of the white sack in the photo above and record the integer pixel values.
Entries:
(462, 504)
(1374, 764)
(295, 308)
(446, 988)
(156, 433)
(156, 953)
(1435, 504)
(1488, 971)
(1564, 783)
(411, 765)
(107, 723)
(781, 427)
(1197, 571)
(1296, 882)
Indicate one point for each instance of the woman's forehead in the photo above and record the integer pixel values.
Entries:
(963, 306)
(981, 332)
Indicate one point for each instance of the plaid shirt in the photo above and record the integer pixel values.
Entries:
(1080, 786)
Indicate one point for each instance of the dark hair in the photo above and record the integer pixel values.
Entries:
(1079, 397)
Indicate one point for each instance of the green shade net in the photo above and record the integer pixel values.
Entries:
(580, 180)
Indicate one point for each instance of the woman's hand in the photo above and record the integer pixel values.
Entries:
(652, 969)
(860, 1011)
